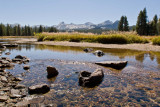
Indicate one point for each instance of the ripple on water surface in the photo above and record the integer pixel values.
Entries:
(136, 85)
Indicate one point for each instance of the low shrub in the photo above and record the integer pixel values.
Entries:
(156, 41)
(40, 37)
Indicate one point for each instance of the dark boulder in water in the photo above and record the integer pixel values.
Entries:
(52, 72)
(113, 64)
(88, 79)
(38, 89)
(26, 67)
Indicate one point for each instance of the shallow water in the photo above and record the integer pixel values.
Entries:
(138, 84)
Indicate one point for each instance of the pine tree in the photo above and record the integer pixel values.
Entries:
(139, 23)
(126, 27)
(150, 28)
(159, 26)
(155, 23)
(23, 31)
(35, 29)
(15, 31)
(29, 31)
(40, 29)
(8, 32)
(120, 25)
(142, 26)
(44, 29)
(2, 30)
(19, 30)
(144, 22)
(53, 29)
(26, 30)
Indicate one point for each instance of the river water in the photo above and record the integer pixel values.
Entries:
(138, 84)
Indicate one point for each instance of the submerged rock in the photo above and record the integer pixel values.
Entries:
(98, 53)
(7, 53)
(113, 64)
(20, 59)
(3, 98)
(23, 104)
(88, 50)
(16, 60)
(15, 93)
(88, 79)
(3, 79)
(52, 72)
(5, 63)
(38, 89)
(17, 79)
(6, 59)
(26, 67)
(10, 45)
(19, 86)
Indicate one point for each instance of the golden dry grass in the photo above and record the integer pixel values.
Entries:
(115, 38)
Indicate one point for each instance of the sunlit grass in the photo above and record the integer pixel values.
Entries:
(156, 41)
(81, 37)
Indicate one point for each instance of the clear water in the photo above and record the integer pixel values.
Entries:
(137, 84)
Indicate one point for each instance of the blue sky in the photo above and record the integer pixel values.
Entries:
(52, 12)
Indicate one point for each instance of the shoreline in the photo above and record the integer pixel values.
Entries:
(139, 47)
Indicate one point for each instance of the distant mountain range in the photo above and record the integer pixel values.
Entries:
(88, 25)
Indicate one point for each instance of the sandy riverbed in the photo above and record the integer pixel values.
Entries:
(141, 47)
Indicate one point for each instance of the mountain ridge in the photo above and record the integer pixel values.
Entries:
(88, 25)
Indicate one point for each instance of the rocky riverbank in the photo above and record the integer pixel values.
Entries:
(11, 91)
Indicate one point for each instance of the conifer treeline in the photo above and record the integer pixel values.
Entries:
(17, 30)
(143, 26)
(123, 24)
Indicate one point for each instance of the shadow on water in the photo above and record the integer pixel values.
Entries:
(135, 85)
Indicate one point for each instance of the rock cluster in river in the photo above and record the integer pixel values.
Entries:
(11, 91)
(20, 59)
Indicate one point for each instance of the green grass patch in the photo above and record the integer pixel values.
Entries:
(156, 41)
(105, 39)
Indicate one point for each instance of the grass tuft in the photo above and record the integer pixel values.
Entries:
(105, 39)
(156, 41)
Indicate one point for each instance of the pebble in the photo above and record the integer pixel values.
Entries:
(3, 79)
(7, 53)
(19, 86)
(3, 98)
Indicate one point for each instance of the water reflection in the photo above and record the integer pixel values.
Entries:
(120, 53)
(136, 85)
(51, 80)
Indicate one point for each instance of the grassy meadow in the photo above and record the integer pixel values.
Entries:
(112, 38)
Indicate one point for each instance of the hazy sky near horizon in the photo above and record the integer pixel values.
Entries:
(52, 12)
